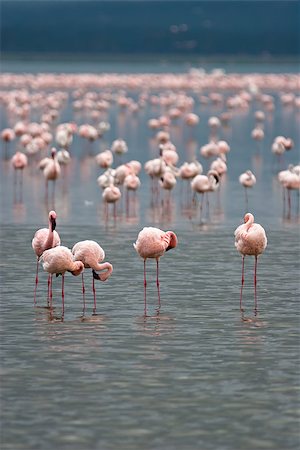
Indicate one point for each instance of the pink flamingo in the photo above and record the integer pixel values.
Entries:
(111, 194)
(248, 180)
(51, 169)
(91, 254)
(44, 239)
(153, 243)
(250, 239)
(203, 184)
(19, 162)
(59, 260)
(7, 135)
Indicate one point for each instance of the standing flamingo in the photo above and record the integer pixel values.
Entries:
(203, 184)
(111, 194)
(7, 135)
(153, 243)
(250, 239)
(59, 260)
(19, 161)
(91, 254)
(248, 180)
(44, 239)
(51, 169)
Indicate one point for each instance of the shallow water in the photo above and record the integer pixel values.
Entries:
(192, 374)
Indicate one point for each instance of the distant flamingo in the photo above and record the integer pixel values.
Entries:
(153, 243)
(290, 180)
(51, 169)
(248, 180)
(104, 159)
(59, 260)
(111, 194)
(203, 184)
(7, 135)
(91, 254)
(44, 239)
(250, 239)
(19, 162)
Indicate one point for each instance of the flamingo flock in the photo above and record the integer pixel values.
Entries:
(58, 259)
(37, 139)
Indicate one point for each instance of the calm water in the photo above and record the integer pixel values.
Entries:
(191, 376)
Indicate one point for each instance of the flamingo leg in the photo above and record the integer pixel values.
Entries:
(246, 198)
(157, 281)
(145, 285)
(127, 202)
(50, 294)
(289, 204)
(283, 197)
(255, 286)
(49, 281)
(94, 293)
(242, 282)
(83, 294)
(207, 205)
(36, 279)
(63, 294)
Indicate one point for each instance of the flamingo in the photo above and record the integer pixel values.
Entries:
(7, 135)
(250, 239)
(290, 180)
(19, 161)
(59, 260)
(104, 159)
(91, 254)
(44, 239)
(248, 180)
(153, 243)
(51, 169)
(204, 184)
(111, 194)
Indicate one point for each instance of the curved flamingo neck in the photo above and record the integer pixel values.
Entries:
(105, 266)
(249, 220)
(170, 239)
(49, 241)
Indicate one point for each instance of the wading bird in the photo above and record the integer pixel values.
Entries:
(250, 239)
(153, 243)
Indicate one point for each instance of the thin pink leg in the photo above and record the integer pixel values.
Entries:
(49, 280)
(157, 281)
(255, 285)
(127, 202)
(94, 293)
(246, 198)
(63, 294)
(51, 295)
(145, 285)
(115, 211)
(36, 279)
(83, 294)
(289, 204)
(242, 284)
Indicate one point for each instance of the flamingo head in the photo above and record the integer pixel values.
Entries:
(173, 240)
(52, 219)
(78, 268)
(249, 218)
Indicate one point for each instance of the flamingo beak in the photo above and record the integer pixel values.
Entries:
(96, 276)
(53, 224)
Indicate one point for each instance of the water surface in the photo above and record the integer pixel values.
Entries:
(194, 374)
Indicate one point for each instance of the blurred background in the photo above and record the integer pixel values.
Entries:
(198, 29)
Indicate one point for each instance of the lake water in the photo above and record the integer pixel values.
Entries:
(193, 374)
